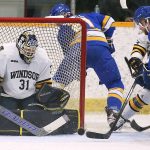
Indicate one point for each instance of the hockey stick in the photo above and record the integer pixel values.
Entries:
(127, 62)
(138, 128)
(108, 134)
(133, 123)
(31, 127)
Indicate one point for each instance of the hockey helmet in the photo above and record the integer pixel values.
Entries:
(27, 44)
(142, 12)
(60, 9)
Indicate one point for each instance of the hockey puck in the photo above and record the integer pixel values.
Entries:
(81, 131)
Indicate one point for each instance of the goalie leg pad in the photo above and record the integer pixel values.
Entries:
(40, 118)
(9, 102)
(53, 97)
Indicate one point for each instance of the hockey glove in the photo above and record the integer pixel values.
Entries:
(111, 45)
(53, 97)
(137, 65)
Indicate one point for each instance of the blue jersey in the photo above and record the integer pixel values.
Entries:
(98, 56)
(99, 27)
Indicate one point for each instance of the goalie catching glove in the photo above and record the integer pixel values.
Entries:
(53, 97)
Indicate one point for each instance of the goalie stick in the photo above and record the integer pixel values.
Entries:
(108, 134)
(31, 127)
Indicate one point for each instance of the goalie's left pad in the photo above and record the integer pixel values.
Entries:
(53, 97)
(41, 118)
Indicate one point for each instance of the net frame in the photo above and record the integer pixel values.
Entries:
(83, 53)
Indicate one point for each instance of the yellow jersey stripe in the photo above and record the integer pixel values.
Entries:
(95, 38)
(105, 21)
(137, 51)
(141, 49)
(133, 106)
(38, 85)
(116, 96)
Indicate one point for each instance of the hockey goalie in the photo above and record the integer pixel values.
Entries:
(26, 94)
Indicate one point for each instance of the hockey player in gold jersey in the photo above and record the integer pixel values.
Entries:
(140, 51)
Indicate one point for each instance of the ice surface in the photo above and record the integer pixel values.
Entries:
(125, 139)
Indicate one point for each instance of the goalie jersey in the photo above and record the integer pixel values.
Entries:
(18, 79)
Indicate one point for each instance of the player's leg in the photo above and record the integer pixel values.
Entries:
(107, 71)
(9, 103)
(49, 104)
(31, 103)
(140, 100)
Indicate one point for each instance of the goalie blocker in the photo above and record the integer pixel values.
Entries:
(50, 106)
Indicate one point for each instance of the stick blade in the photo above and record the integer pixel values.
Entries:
(56, 124)
(138, 128)
(135, 126)
(95, 135)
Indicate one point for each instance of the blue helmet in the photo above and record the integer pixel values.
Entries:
(142, 12)
(60, 9)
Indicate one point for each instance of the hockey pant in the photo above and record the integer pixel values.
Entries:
(99, 58)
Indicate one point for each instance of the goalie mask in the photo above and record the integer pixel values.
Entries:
(27, 44)
(61, 9)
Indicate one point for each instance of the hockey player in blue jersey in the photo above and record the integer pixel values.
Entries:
(141, 50)
(99, 49)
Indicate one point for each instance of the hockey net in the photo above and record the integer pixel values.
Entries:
(47, 31)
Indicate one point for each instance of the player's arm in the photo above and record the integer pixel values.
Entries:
(139, 51)
(108, 29)
(3, 60)
(45, 68)
(39, 84)
(109, 37)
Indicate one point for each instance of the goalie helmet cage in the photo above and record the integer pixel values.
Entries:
(46, 30)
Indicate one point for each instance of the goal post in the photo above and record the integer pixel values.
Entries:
(47, 31)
